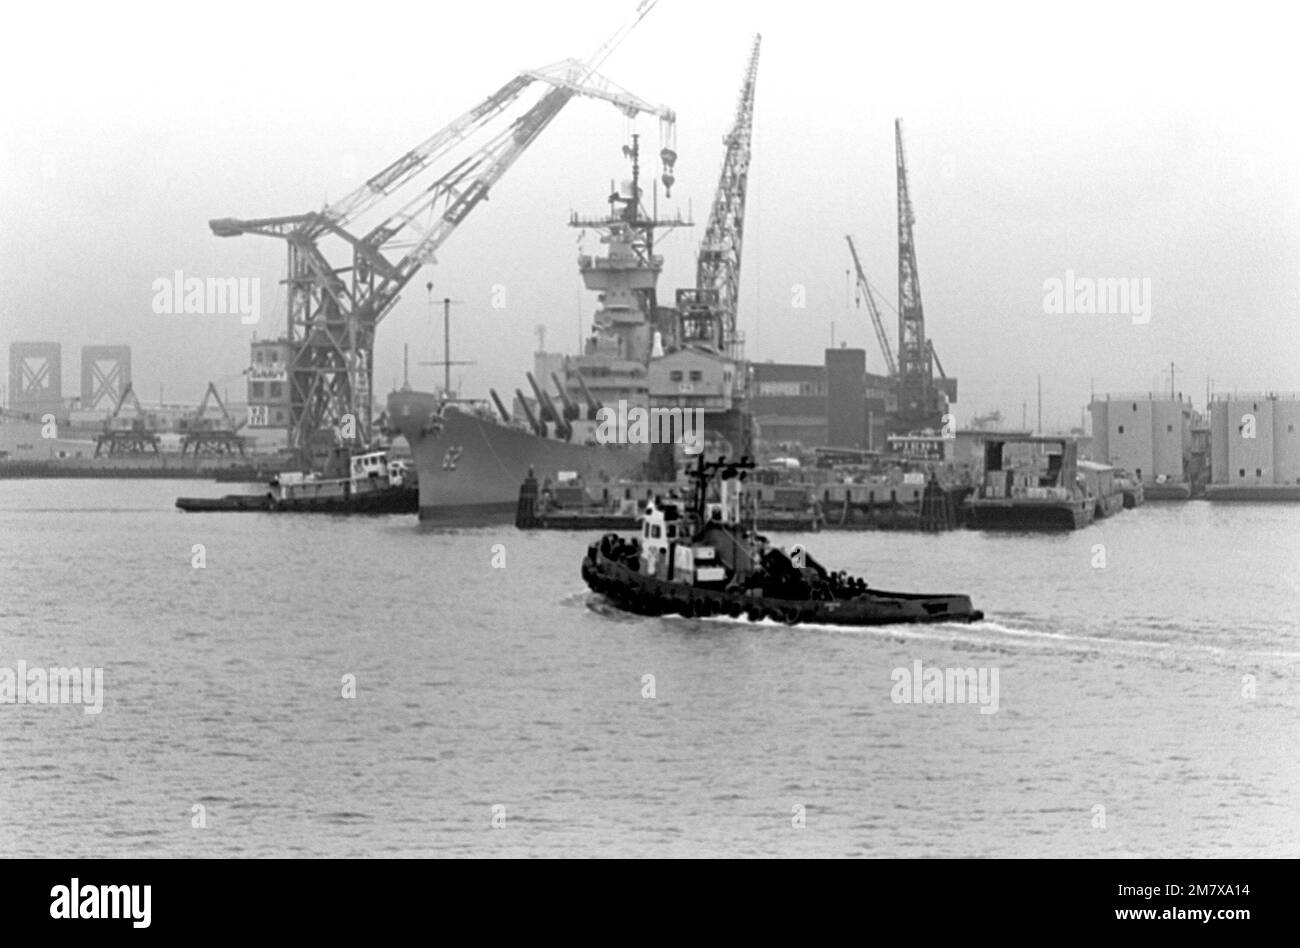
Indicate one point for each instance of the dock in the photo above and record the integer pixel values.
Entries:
(926, 506)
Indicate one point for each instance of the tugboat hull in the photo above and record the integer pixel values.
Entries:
(647, 595)
(394, 500)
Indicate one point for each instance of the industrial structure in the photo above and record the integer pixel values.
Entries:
(840, 404)
(268, 397)
(919, 405)
(334, 309)
(1149, 435)
(129, 433)
(920, 401)
(36, 379)
(836, 404)
(1255, 447)
(207, 435)
(105, 373)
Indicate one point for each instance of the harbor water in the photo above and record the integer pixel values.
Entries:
(326, 686)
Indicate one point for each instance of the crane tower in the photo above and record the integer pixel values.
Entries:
(705, 368)
(919, 402)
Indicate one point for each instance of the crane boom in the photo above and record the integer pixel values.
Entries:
(865, 291)
(717, 271)
(391, 178)
(935, 356)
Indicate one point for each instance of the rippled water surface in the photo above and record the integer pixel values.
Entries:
(1147, 707)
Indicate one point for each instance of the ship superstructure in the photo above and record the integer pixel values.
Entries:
(629, 323)
(639, 355)
(471, 459)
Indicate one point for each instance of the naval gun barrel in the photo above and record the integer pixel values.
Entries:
(592, 405)
(538, 428)
(570, 409)
(505, 415)
(561, 424)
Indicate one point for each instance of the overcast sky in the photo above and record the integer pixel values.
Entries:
(1113, 140)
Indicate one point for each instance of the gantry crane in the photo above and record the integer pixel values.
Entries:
(333, 310)
(709, 310)
(211, 436)
(134, 435)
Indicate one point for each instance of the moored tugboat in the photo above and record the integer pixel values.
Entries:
(697, 558)
(373, 484)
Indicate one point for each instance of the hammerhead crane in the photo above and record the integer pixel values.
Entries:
(333, 311)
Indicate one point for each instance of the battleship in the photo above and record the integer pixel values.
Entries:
(471, 455)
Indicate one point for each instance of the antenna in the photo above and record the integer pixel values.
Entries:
(446, 362)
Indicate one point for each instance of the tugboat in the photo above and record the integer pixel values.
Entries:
(374, 484)
(697, 558)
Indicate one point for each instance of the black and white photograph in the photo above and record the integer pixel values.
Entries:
(650, 430)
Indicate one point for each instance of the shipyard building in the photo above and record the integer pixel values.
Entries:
(837, 404)
(268, 401)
